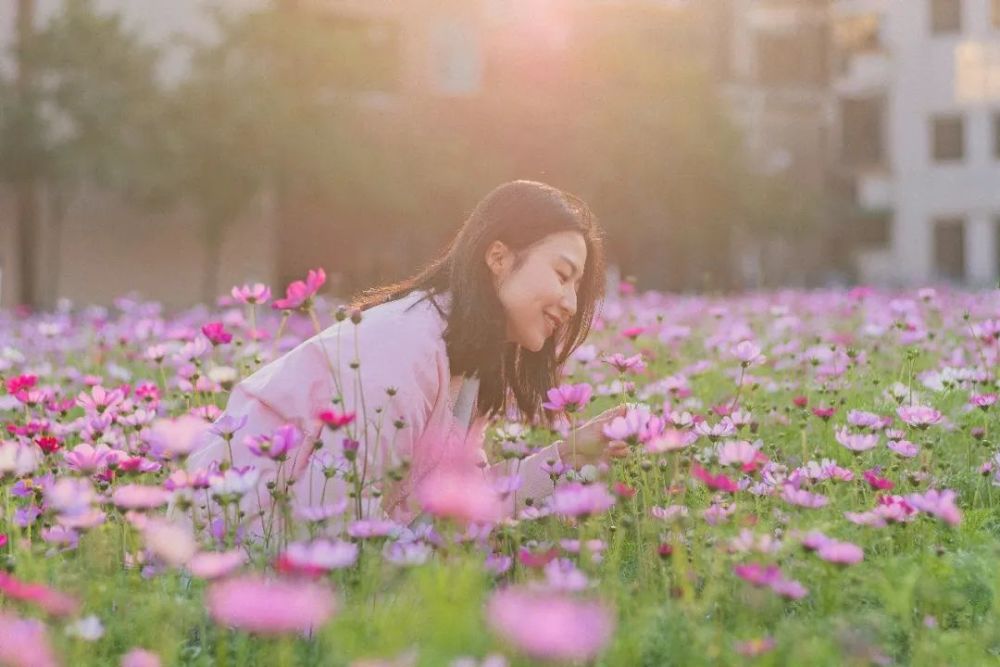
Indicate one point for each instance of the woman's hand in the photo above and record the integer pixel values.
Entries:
(591, 444)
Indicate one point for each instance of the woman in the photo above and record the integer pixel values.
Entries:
(407, 385)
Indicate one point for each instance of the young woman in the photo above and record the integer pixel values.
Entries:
(422, 365)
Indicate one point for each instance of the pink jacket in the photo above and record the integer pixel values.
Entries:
(399, 344)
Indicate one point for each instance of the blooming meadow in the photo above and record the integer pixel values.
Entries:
(810, 478)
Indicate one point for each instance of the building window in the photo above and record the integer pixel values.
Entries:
(948, 138)
(793, 58)
(873, 229)
(861, 131)
(456, 58)
(949, 249)
(946, 16)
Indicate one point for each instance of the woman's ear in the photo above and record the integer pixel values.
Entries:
(499, 258)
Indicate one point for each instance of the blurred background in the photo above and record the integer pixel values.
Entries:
(178, 147)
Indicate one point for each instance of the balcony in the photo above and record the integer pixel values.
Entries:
(864, 74)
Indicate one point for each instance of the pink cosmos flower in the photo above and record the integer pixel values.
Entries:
(623, 364)
(172, 543)
(757, 574)
(99, 400)
(140, 497)
(88, 458)
(983, 401)
(869, 420)
(724, 429)
(748, 353)
(919, 416)
(889, 509)
(270, 607)
(568, 397)
(904, 448)
(212, 565)
(669, 513)
(770, 576)
(299, 294)
(216, 333)
(371, 528)
(320, 513)
(70, 496)
(575, 499)
(255, 294)
(939, 503)
(177, 438)
(670, 440)
(234, 482)
(25, 643)
(550, 625)
(718, 512)
(718, 482)
(842, 553)
(802, 498)
(562, 574)
(138, 657)
(47, 599)
(736, 452)
(320, 555)
(856, 442)
(17, 459)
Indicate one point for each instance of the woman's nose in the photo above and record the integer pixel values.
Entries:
(569, 302)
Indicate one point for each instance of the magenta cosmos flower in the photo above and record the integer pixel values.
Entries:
(299, 293)
(276, 446)
(549, 625)
(270, 607)
(919, 416)
(568, 397)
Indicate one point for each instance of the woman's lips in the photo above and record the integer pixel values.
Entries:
(552, 323)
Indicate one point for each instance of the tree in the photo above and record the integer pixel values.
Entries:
(82, 118)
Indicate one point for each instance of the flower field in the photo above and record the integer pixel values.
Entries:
(811, 479)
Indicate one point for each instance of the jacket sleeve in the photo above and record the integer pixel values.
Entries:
(355, 364)
(535, 481)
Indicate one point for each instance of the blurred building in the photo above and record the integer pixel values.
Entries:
(918, 94)
(100, 247)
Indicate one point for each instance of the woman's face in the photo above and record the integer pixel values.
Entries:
(539, 294)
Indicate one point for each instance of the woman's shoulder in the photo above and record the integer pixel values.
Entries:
(412, 325)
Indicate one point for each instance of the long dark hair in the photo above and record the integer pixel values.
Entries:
(519, 214)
